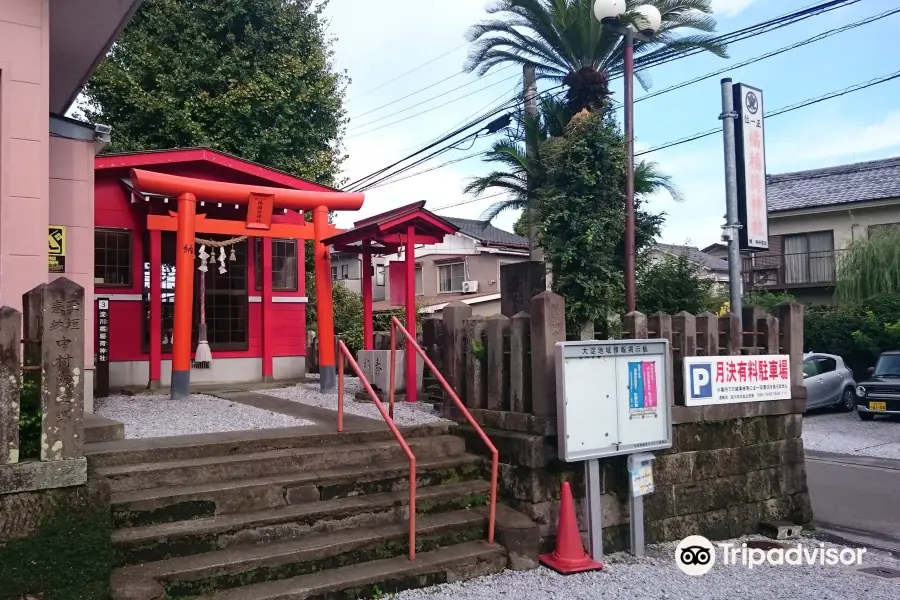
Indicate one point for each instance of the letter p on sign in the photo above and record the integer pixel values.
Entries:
(701, 380)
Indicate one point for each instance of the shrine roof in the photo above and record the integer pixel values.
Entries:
(149, 159)
(386, 233)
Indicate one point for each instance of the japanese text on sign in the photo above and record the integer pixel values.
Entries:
(103, 330)
(729, 379)
(751, 155)
(612, 397)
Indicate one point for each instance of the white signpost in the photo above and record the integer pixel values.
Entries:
(613, 398)
(731, 379)
(750, 150)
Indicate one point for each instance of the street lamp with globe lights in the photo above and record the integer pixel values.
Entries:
(645, 21)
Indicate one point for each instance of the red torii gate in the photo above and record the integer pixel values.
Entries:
(388, 233)
(261, 201)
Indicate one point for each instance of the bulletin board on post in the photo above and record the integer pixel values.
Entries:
(613, 397)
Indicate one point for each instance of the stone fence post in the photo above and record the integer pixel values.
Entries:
(520, 363)
(60, 331)
(476, 360)
(497, 342)
(10, 383)
(455, 315)
(548, 326)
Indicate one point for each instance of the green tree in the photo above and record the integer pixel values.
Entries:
(672, 284)
(580, 209)
(869, 268)
(514, 167)
(568, 46)
(251, 77)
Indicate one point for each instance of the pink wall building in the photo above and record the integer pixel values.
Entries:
(48, 50)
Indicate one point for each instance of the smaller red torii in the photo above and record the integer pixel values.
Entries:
(261, 200)
(388, 233)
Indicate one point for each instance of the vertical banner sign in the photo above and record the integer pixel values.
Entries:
(56, 249)
(102, 367)
(750, 145)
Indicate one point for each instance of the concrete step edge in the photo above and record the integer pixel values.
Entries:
(322, 545)
(312, 477)
(136, 451)
(134, 469)
(234, 522)
(464, 556)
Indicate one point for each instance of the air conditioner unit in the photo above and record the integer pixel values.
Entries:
(470, 287)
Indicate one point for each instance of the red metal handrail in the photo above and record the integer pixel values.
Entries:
(495, 456)
(343, 352)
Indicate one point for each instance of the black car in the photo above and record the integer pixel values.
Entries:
(880, 393)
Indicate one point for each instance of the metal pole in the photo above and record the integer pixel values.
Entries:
(594, 508)
(630, 301)
(636, 512)
(732, 226)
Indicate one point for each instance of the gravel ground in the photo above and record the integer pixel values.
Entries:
(844, 433)
(420, 413)
(159, 416)
(658, 577)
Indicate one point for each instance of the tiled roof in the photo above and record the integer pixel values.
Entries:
(489, 235)
(874, 180)
(694, 255)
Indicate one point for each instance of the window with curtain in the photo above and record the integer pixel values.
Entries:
(420, 282)
(809, 258)
(451, 277)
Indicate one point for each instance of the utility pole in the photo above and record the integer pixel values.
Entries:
(529, 96)
(732, 226)
(535, 253)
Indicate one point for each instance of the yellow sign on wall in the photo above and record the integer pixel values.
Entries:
(56, 249)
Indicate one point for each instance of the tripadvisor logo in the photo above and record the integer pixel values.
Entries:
(695, 555)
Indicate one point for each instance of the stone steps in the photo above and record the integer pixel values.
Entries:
(139, 451)
(225, 569)
(160, 505)
(299, 514)
(376, 578)
(131, 477)
(183, 538)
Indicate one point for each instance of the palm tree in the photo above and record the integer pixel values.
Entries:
(569, 47)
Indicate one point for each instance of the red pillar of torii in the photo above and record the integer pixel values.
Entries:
(401, 229)
(261, 201)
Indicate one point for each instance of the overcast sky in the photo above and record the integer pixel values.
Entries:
(378, 41)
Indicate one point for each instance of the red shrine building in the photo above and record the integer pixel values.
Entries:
(127, 257)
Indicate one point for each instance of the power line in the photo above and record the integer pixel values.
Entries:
(786, 109)
(800, 44)
(429, 170)
(402, 75)
(389, 178)
(744, 63)
(648, 62)
(428, 110)
(664, 56)
(790, 108)
(417, 92)
(479, 120)
(455, 204)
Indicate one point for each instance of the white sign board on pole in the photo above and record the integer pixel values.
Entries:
(750, 149)
(731, 379)
(613, 398)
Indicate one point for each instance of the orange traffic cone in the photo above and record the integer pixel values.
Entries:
(569, 556)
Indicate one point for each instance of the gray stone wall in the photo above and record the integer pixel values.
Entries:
(730, 466)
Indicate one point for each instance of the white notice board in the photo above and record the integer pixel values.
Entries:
(613, 398)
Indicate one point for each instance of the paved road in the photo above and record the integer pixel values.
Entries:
(856, 497)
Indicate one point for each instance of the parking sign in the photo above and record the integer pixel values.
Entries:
(732, 379)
